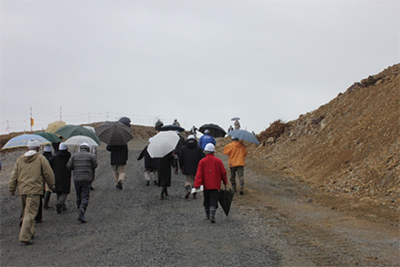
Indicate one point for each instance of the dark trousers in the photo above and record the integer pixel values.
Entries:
(210, 198)
(82, 190)
(39, 217)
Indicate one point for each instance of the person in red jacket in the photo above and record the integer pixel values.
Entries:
(210, 173)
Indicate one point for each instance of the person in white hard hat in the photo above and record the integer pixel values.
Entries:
(205, 139)
(210, 173)
(27, 176)
(83, 165)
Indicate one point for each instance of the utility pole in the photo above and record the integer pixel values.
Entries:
(32, 122)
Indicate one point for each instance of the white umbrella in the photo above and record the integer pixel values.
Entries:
(77, 140)
(162, 143)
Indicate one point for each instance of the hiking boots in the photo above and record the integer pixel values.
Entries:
(58, 208)
(27, 243)
(46, 199)
(213, 210)
(188, 191)
(119, 185)
(207, 214)
(81, 217)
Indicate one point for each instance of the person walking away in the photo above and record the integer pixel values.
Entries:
(205, 139)
(236, 124)
(27, 176)
(210, 173)
(47, 194)
(83, 165)
(62, 176)
(164, 165)
(189, 158)
(237, 153)
(119, 157)
(176, 122)
(193, 131)
(150, 165)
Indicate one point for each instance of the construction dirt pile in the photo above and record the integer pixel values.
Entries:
(349, 146)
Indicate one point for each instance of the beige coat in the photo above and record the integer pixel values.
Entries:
(29, 173)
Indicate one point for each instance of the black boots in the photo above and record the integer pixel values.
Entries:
(207, 214)
(242, 187)
(233, 183)
(81, 217)
(188, 189)
(47, 195)
(213, 210)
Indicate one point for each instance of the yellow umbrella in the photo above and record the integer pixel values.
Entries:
(54, 126)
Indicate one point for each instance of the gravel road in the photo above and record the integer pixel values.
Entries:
(271, 225)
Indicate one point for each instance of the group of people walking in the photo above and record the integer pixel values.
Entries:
(35, 175)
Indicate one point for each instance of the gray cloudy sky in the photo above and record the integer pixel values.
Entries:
(197, 61)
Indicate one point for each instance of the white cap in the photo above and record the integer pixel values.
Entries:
(191, 137)
(206, 131)
(85, 146)
(209, 147)
(47, 148)
(62, 146)
(33, 144)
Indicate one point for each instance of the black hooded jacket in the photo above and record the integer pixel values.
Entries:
(189, 157)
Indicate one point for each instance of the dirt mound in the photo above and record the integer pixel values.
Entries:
(348, 146)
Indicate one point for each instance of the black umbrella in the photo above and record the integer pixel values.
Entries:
(215, 130)
(114, 133)
(225, 199)
(172, 128)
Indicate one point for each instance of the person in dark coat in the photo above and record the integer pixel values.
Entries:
(189, 157)
(62, 176)
(119, 157)
(83, 165)
(47, 153)
(150, 165)
(164, 165)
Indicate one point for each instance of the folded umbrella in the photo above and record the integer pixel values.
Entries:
(225, 199)
(244, 135)
(114, 133)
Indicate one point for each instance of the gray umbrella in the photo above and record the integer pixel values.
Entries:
(114, 133)
(244, 135)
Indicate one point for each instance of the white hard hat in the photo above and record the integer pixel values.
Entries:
(191, 137)
(33, 144)
(62, 146)
(209, 147)
(47, 148)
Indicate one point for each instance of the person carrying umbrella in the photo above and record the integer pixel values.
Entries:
(27, 176)
(83, 165)
(164, 172)
(119, 157)
(205, 139)
(237, 153)
(62, 176)
(189, 158)
(150, 165)
(210, 173)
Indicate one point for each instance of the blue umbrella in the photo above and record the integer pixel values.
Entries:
(22, 141)
(244, 135)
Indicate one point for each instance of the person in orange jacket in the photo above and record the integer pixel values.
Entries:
(237, 153)
(210, 173)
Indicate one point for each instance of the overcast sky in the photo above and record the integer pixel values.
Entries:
(196, 61)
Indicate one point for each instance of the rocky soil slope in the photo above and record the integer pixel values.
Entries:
(349, 146)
